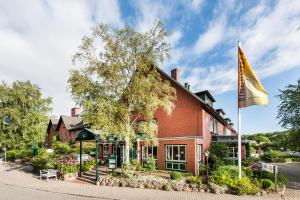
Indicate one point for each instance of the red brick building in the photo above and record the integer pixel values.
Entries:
(63, 128)
(183, 137)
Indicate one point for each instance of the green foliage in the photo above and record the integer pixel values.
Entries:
(175, 175)
(23, 115)
(88, 164)
(12, 155)
(195, 180)
(218, 155)
(62, 148)
(117, 86)
(288, 113)
(167, 186)
(228, 176)
(281, 179)
(44, 160)
(136, 165)
(267, 184)
(150, 165)
(289, 107)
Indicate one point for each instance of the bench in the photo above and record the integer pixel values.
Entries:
(48, 173)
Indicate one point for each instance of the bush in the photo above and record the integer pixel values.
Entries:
(243, 186)
(267, 184)
(150, 165)
(67, 165)
(62, 148)
(228, 176)
(167, 187)
(136, 165)
(44, 160)
(194, 179)
(88, 164)
(282, 180)
(12, 155)
(175, 175)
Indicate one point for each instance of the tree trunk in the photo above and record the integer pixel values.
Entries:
(127, 141)
(126, 149)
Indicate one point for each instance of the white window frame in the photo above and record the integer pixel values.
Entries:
(146, 148)
(172, 149)
(199, 149)
(231, 150)
(105, 151)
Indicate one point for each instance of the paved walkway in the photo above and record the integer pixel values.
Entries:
(18, 178)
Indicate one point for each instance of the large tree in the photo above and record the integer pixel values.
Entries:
(289, 107)
(23, 115)
(118, 84)
(289, 113)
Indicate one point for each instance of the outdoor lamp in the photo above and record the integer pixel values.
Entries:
(206, 155)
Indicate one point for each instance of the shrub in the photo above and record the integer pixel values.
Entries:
(67, 165)
(266, 184)
(136, 165)
(12, 155)
(44, 160)
(228, 176)
(88, 164)
(150, 165)
(280, 178)
(194, 179)
(167, 187)
(175, 175)
(243, 186)
(61, 148)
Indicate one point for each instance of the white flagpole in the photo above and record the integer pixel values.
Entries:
(239, 133)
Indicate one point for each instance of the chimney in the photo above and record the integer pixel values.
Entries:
(187, 86)
(75, 112)
(175, 74)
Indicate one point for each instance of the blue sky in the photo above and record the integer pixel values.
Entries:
(39, 37)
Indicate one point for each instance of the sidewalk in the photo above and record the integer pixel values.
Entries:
(19, 176)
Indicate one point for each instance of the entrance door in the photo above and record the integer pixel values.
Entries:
(119, 151)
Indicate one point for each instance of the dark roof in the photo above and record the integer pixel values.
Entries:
(79, 126)
(220, 110)
(227, 119)
(68, 121)
(52, 122)
(207, 93)
(206, 106)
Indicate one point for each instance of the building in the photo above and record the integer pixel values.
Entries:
(183, 137)
(65, 128)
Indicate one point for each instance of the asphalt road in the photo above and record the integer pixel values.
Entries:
(11, 192)
(292, 172)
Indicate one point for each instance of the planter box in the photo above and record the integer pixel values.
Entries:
(69, 177)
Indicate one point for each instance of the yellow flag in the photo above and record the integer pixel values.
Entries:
(250, 90)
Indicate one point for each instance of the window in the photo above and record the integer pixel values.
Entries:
(213, 125)
(149, 151)
(199, 152)
(105, 150)
(175, 153)
(232, 152)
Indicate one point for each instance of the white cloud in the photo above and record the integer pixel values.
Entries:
(269, 38)
(38, 39)
(210, 38)
(148, 11)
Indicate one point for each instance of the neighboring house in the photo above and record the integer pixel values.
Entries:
(64, 128)
(183, 137)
